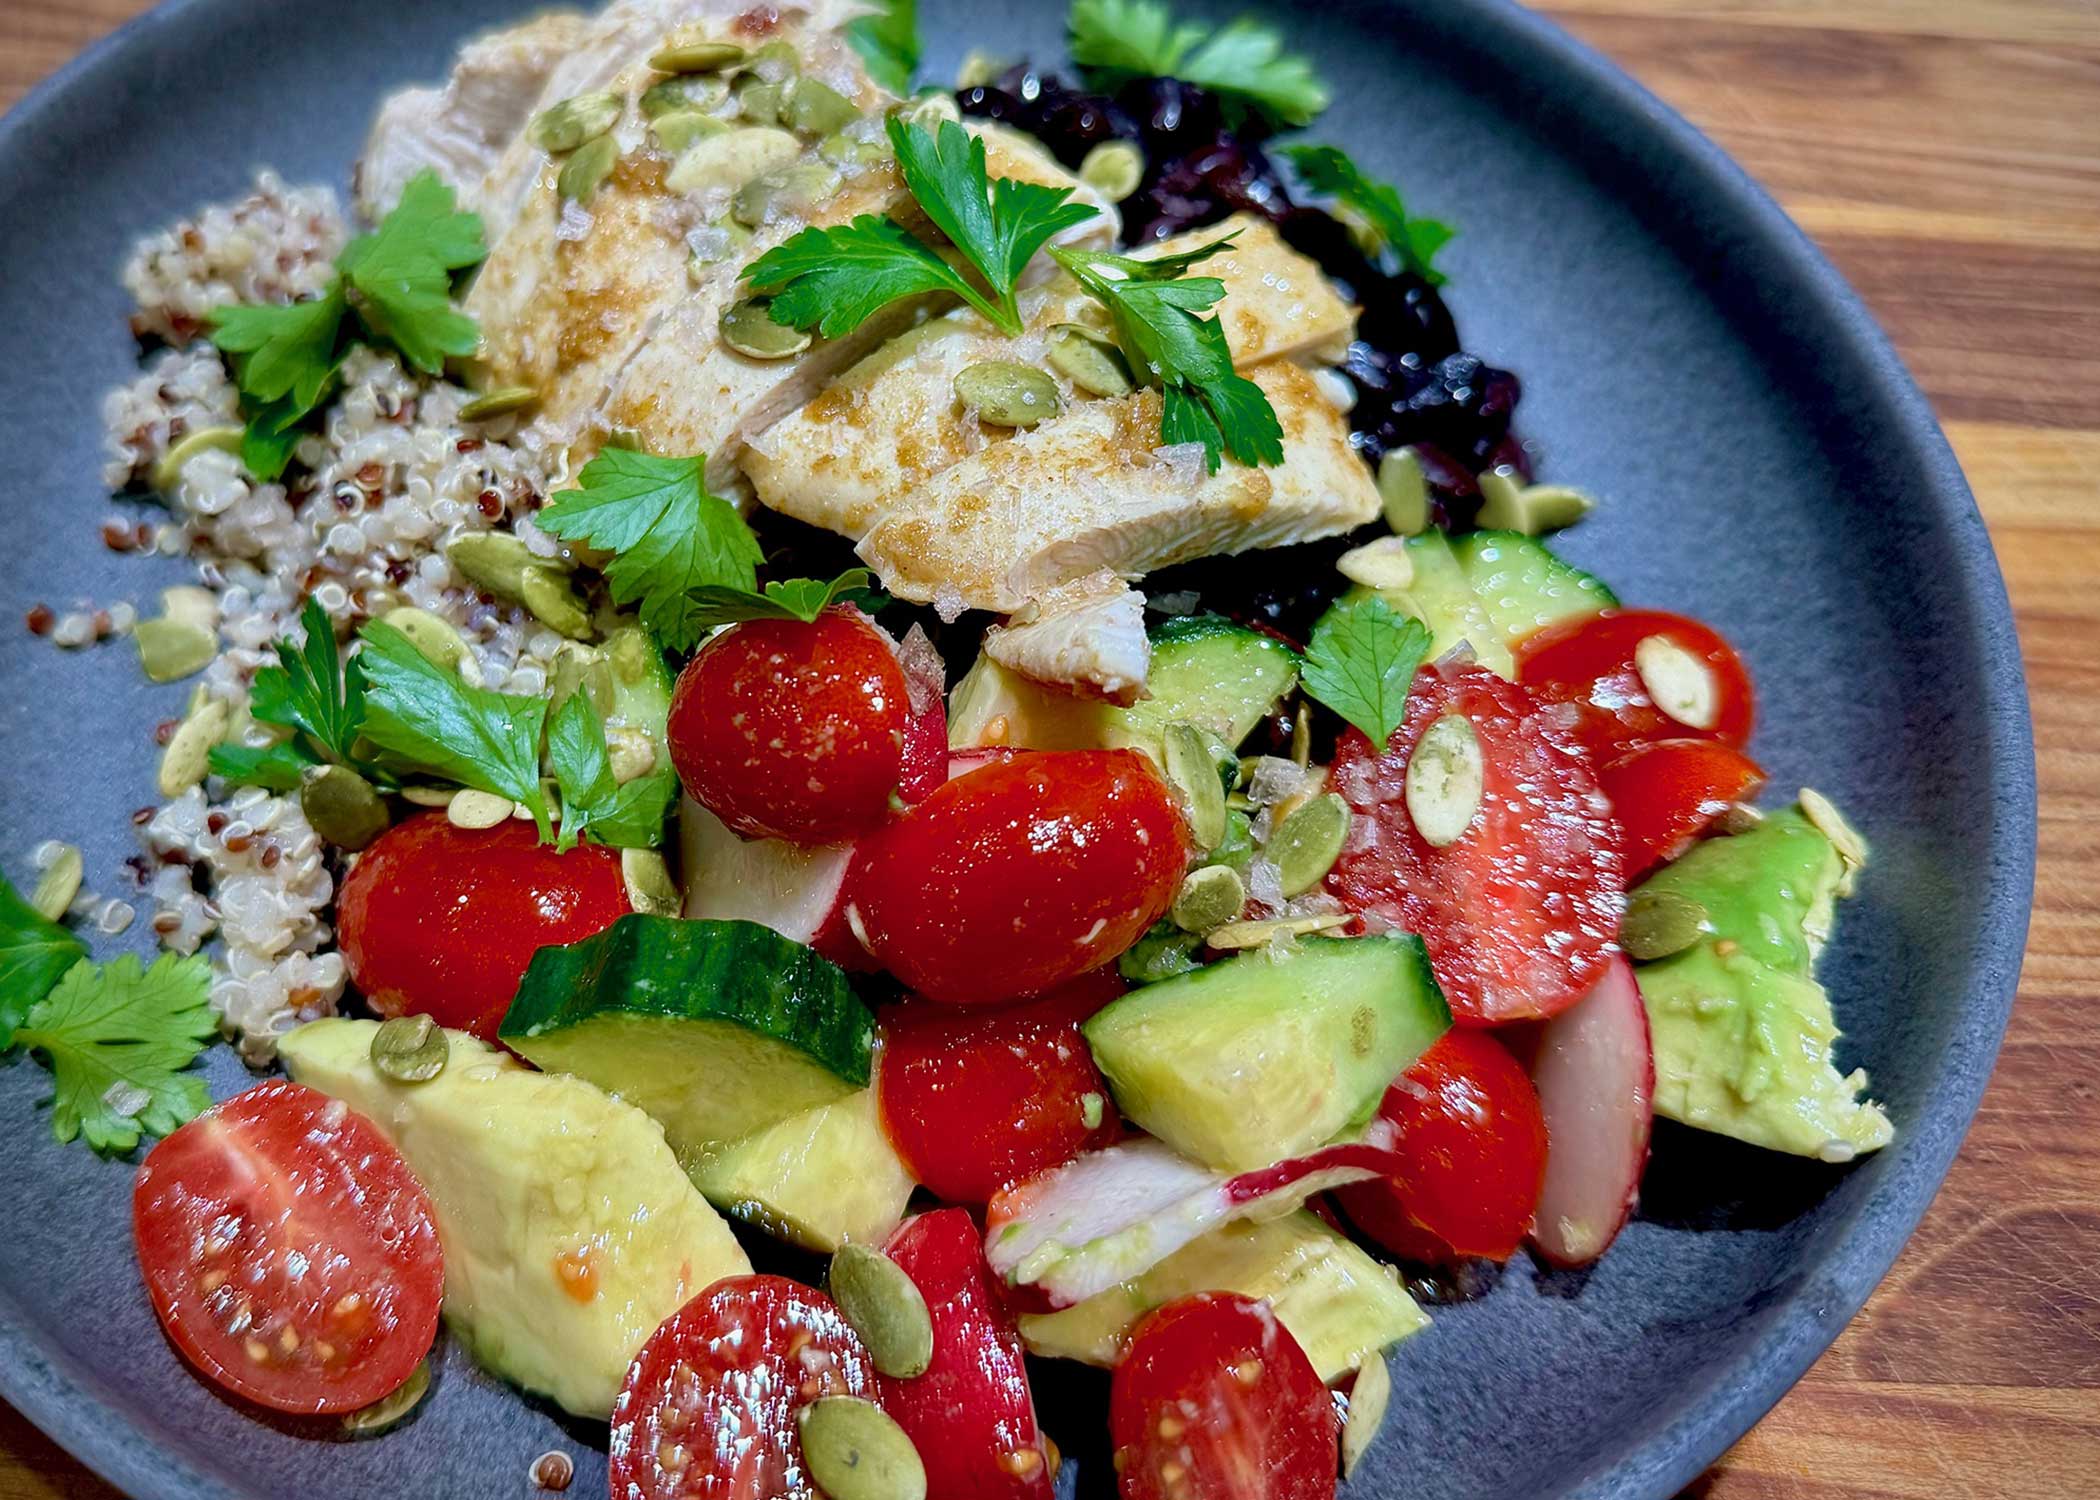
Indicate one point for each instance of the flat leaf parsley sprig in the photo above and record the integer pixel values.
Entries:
(1361, 662)
(1331, 170)
(398, 282)
(1244, 63)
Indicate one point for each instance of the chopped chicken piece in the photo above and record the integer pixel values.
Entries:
(1087, 635)
(891, 422)
(460, 129)
(1094, 490)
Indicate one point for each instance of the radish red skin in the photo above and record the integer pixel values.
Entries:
(971, 1415)
(1595, 1072)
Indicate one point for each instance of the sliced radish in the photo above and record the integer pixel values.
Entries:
(963, 762)
(1110, 1215)
(1595, 1073)
(926, 731)
(792, 888)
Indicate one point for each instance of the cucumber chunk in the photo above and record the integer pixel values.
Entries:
(1522, 585)
(715, 1029)
(1272, 1053)
(1441, 598)
(817, 1179)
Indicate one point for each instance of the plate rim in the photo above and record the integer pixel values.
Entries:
(101, 1436)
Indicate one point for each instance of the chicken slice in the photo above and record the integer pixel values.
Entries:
(1087, 636)
(460, 129)
(891, 422)
(1094, 490)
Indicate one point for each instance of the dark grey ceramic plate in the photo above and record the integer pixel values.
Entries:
(1766, 464)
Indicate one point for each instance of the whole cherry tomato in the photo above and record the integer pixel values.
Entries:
(444, 920)
(288, 1250)
(1666, 793)
(792, 729)
(1214, 1400)
(1467, 1120)
(1519, 911)
(976, 1099)
(1020, 875)
(1639, 675)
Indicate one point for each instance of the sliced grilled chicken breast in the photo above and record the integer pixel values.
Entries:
(1087, 636)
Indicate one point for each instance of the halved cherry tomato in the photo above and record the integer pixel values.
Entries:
(1591, 662)
(1214, 1400)
(709, 1406)
(1519, 912)
(1021, 875)
(1664, 794)
(443, 920)
(289, 1251)
(971, 1415)
(786, 729)
(1466, 1119)
(977, 1099)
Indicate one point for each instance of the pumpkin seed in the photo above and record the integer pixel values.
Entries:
(775, 62)
(1090, 360)
(694, 91)
(586, 168)
(342, 806)
(168, 472)
(470, 809)
(759, 101)
(790, 192)
(567, 125)
(681, 128)
(58, 884)
(1404, 490)
(1210, 896)
(432, 636)
(650, 889)
(188, 604)
(733, 157)
(886, 1309)
(1506, 505)
(170, 650)
(632, 753)
(500, 402)
(390, 1409)
(816, 108)
(429, 796)
(580, 669)
(633, 655)
(845, 148)
(1194, 774)
(1006, 394)
(1445, 781)
(1238, 935)
(1739, 818)
(1369, 1396)
(1832, 824)
(1677, 682)
(187, 759)
(854, 1451)
(1308, 842)
(1113, 169)
(929, 112)
(697, 57)
(410, 1049)
(497, 561)
(978, 69)
(1660, 922)
(554, 602)
(1380, 564)
(749, 329)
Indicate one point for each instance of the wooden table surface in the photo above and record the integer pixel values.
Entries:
(1946, 153)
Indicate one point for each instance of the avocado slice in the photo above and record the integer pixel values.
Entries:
(1271, 1053)
(569, 1229)
(1342, 1306)
(817, 1179)
(1744, 1036)
(1442, 598)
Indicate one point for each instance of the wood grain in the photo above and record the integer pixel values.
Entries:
(1946, 153)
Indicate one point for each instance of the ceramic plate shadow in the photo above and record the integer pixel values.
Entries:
(1685, 354)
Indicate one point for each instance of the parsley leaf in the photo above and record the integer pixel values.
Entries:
(273, 432)
(626, 815)
(1156, 314)
(1245, 63)
(1361, 662)
(888, 42)
(34, 952)
(282, 351)
(667, 534)
(1330, 170)
(789, 599)
(317, 696)
(118, 1040)
(835, 279)
(401, 274)
(278, 768)
(428, 716)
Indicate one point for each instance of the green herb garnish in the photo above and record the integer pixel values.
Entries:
(888, 43)
(789, 599)
(1245, 63)
(1330, 170)
(34, 952)
(627, 815)
(1362, 660)
(314, 693)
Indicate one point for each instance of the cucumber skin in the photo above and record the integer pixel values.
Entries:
(671, 968)
(1180, 629)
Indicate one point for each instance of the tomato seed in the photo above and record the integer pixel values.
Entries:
(211, 1281)
(1248, 1373)
(673, 1456)
(257, 1351)
(1021, 1462)
(288, 1341)
(1171, 1428)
